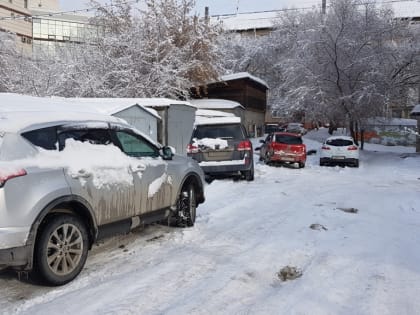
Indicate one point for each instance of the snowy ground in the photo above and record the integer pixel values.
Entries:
(361, 263)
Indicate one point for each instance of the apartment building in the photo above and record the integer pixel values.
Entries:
(41, 27)
(15, 17)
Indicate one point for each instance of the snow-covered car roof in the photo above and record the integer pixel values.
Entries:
(340, 137)
(18, 121)
(212, 113)
(200, 120)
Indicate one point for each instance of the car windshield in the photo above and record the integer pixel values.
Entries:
(288, 139)
(233, 131)
(339, 142)
(271, 128)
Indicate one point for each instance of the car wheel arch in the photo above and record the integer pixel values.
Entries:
(194, 179)
(66, 204)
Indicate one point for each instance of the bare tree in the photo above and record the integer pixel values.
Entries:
(347, 65)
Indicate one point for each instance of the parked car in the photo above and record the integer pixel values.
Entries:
(296, 128)
(269, 128)
(283, 147)
(222, 148)
(340, 150)
(68, 180)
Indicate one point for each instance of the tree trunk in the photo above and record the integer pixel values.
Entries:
(353, 131)
(362, 139)
(331, 128)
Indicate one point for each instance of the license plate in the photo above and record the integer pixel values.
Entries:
(338, 157)
(288, 159)
(217, 154)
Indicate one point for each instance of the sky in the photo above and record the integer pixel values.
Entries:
(219, 6)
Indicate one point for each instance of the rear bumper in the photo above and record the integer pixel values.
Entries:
(288, 158)
(13, 249)
(15, 257)
(331, 161)
(226, 167)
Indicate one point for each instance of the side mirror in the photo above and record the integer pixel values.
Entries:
(310, 152)
(167, 153)
(262, 141)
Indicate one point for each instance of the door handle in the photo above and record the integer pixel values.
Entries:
(81, 174)
(137, 168)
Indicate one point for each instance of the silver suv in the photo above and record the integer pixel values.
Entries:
(222, 149)
(70, 179)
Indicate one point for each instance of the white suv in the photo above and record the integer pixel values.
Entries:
(69, 179)
(339, 150)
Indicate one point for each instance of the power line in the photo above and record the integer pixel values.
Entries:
(18, 17)
(314, 4)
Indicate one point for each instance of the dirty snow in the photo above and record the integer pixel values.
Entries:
(247, 232)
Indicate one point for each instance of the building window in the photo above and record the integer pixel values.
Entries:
(25, 4)
(10, 1)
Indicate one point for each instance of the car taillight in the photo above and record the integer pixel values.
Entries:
(6, 175)
(324, 147)
(245, 146)
(352, 148)
(192, 148)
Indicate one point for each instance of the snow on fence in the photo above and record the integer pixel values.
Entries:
(390, 131)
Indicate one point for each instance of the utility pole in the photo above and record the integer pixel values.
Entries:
(206, 14)
(324, 7)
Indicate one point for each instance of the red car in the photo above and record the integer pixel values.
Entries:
(283, 147)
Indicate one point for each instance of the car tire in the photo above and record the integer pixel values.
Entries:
(249, 175)
(301, 164)
(187, 206)
(267, 159)
(61, 249)
(321, 163)
(356, 163)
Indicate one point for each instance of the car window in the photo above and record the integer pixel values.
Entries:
(93, 136)
(45, 138)
(339, 142)
(233, 131)
(134, 145)
(288, 139)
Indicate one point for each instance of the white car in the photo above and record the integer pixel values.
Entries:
(340, 150)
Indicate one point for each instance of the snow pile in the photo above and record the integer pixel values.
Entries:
(212, 143)
(105, 164)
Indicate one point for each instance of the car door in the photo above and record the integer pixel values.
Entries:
(94, 174)
(153, 188)
(264, 146)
